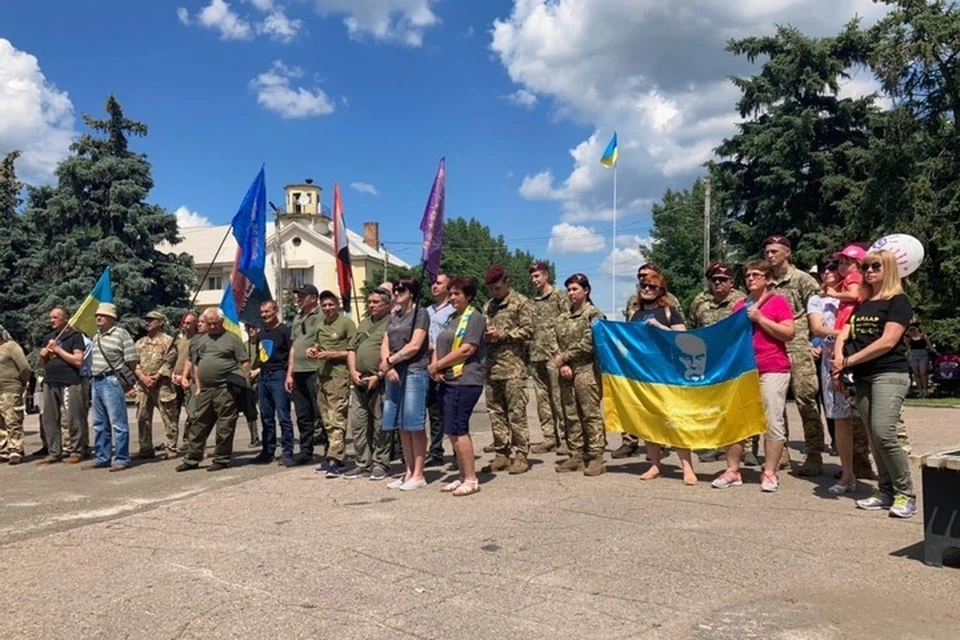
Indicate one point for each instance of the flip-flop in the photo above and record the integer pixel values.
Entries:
(467, 488)
(451, 486)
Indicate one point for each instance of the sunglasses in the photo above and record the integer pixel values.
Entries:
(649, 287)
(873, 266)
(719, 279)
(399, 289)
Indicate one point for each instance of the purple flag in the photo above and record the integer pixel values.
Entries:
(432, 223)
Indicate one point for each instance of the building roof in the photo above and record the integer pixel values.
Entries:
(202, 243)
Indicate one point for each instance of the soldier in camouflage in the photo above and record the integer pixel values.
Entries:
(710, 307)
(629, 443)
(14, 374)
(548, 306)
(798, 287)
(580, 381)
(509, 322)
(155, 389)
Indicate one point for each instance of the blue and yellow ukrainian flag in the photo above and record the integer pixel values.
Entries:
(231, 318)
(691, 389)
(85, 319)
(609, 157)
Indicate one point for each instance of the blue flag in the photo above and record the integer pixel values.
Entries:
(250, 231)
(690, 389)
(432, 222)
(85, 318)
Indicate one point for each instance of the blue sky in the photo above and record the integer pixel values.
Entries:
(521, 96)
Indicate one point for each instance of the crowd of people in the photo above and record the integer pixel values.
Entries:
(410, 374)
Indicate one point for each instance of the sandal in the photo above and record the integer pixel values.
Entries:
(451, 486)
(467, 488)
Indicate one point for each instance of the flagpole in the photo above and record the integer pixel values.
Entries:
(613, 308)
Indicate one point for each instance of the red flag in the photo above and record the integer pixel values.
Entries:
(342, 246)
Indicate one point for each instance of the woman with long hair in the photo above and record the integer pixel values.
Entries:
(871, 348)
(457, 365)
(580, 380)
(655, 310)
(403, 362)
(773, 328)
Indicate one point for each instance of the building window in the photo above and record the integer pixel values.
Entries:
(214, 283)
(296, 278)
(297, 241)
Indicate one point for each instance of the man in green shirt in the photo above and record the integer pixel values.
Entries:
(372, 445)
(331, 341)
(301, 382)
(220, 368)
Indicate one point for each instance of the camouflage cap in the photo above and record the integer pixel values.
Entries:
(154, 315)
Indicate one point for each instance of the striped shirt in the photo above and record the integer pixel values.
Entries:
(118, 347)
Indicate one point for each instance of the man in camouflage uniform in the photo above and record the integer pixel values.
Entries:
(509, 322)
(548, 305)
(629, 443)
(710, 307)
(155, 386)
(798, 287)
(14, 374)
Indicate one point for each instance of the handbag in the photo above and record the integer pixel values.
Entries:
(124, 375)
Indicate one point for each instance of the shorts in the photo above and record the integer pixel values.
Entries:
(836, 406)
(414, 405)
(773, 392)
(458, 402)
(917, 357)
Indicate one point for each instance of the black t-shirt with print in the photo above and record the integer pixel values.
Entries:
(275, 345)
(660, 314)
(866, 327)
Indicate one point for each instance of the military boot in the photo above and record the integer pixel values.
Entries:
(595, 467)
(520, 464)
(501, 462)
(573, 463)
(625, 451)
(544, 447)
(254, 433)
(563, 449)
(812, 466)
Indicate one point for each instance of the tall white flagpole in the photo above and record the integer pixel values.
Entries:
(613, 309)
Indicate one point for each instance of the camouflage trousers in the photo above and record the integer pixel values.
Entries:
(79, 441)
(11, 424)
(333, 400)
(546, 386)
(507, 408)
(161, 396)
(805, 385)
(216, 407)
(581, 407)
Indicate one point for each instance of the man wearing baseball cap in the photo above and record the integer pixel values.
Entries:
(155, 386)
(798, 287)
(301, 382)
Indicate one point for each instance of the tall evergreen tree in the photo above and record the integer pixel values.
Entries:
(97, 216)
(13, 246)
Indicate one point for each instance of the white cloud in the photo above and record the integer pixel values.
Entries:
(403, 21)
(626, 260)
(522, 98)
(656, 72)
(35, 116)
(219, 16)
(365, 187)
(627, 241)
(567, 238)
(280, 27)
(275, 93)
(183, 15)
(187, 219)
(262, 5)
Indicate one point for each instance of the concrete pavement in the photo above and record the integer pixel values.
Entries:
(277, 553)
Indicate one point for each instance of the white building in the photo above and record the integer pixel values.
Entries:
(302, 252)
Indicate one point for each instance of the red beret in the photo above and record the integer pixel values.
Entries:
(719, 269)
(540, 266)
(784, 240)
(495, 274)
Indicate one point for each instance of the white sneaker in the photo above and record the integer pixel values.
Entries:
(413, 485)
(396, 484)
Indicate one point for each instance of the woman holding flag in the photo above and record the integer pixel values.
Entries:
(458, 366)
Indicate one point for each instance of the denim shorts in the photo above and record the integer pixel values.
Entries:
(414, 408)
(458, 402)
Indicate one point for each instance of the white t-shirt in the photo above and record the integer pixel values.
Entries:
(827, 307)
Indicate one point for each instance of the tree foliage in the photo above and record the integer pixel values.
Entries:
(97, 216)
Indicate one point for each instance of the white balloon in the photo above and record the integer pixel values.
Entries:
(907, 249)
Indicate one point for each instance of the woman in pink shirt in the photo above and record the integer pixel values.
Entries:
(773, 328)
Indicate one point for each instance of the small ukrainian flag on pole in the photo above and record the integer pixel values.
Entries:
(610, 156)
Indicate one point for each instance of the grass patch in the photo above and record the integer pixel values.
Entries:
(933, 402)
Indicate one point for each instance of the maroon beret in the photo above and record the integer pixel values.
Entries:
(495, 274)
(784, 240)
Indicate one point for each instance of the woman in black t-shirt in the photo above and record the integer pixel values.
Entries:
(871, 347)
(655, 310)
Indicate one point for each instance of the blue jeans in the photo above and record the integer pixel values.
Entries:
(409, 397)
(275, 406)
(111, 431)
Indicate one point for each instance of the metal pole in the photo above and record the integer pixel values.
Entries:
(613, 306)
(706, 224)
